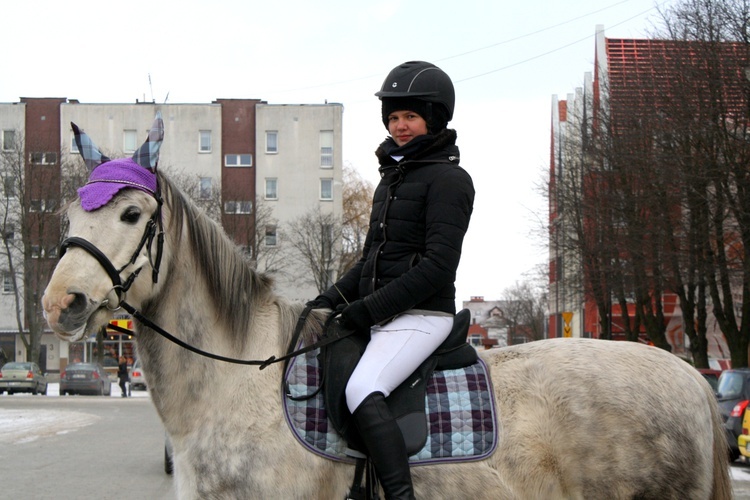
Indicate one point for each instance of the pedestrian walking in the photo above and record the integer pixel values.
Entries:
(122, 375)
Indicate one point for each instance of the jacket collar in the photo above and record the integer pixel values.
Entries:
(440, 148)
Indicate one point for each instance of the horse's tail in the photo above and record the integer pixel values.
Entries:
(722, 485)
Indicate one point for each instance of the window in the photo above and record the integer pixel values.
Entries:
(44, 158)
(52, 252)
(129, 141)
(204, 141)
(204, 188)
(36, 251)
(238, 160)
(9, 140)
(475, 339)
(247, 250)
(42, 205)
(238, 207)
(7, 283)
(272, 189)
(326, 148)
(36, 205)
(9, 186)
(245, 207)
(272, 145)
(10, 233)
(327, 241)
(270, 239)
(326, 189)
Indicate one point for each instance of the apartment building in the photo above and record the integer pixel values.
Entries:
(240, 150)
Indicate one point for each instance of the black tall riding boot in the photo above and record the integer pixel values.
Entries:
(385, 445)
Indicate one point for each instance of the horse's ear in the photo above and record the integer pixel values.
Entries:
(147, 155)
(88, 150)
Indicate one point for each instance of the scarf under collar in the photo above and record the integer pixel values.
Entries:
(420, 147)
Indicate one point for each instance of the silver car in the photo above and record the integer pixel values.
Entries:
(85, 378)
(137, 379)
(22, 377)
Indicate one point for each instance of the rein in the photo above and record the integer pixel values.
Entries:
(121, 287)
(261, 363)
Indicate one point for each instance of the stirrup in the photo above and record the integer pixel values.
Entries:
(363, 466)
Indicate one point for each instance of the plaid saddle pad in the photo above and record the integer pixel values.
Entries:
(460, 408)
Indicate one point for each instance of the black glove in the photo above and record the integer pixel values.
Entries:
(321, 302)
(355, 316)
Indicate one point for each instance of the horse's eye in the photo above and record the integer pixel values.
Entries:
(131, 215)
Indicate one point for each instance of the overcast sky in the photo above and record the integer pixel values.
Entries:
(506, 59)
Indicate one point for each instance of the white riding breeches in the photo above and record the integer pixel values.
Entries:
(394, 352)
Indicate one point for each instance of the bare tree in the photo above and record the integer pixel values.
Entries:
(526, 307)
(316, 238)
(357, 204)
(208, 199)
(328, 245)
(30, 224)
(270, 255)
(656, 195)
(712, 123)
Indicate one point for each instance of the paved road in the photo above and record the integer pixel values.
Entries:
(105, 448)
(81, 447)
(741, 480)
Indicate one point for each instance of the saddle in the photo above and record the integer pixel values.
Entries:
(406, 402)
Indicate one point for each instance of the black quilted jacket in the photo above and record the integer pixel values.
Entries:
(420, 213)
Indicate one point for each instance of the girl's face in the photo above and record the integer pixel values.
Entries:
(405, 126)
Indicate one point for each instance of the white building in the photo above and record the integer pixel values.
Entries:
(299, 170)
(243, 148)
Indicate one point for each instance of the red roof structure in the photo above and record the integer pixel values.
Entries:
(643, 75)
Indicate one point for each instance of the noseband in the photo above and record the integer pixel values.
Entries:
(153, 230)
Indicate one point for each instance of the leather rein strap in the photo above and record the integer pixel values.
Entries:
(261, 363)
(121, 288)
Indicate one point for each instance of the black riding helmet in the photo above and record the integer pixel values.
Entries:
(421, 87)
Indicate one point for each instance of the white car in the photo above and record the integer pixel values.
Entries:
(22, 377)
(137, 380)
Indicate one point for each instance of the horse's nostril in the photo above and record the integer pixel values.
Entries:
(77, 303)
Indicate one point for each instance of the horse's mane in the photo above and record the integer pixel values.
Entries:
(235, 287)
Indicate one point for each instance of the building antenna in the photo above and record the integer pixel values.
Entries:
(166, 98)
(151, 88)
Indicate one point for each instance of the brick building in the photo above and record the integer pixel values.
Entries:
(632, 80)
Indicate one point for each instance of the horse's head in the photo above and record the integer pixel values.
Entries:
(113, 236)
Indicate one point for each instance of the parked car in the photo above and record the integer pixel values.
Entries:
(711, 376)
(110, 365)
(85, 378)
(733, 395)
(137, 380)
(22, 377)
(743, 441)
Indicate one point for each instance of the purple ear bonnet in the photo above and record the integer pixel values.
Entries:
(109, 178)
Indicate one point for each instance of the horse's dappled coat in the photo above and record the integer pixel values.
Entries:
(577, 418)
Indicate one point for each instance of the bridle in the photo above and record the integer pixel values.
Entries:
(154, 231)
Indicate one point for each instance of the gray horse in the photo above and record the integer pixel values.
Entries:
(577, 418)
